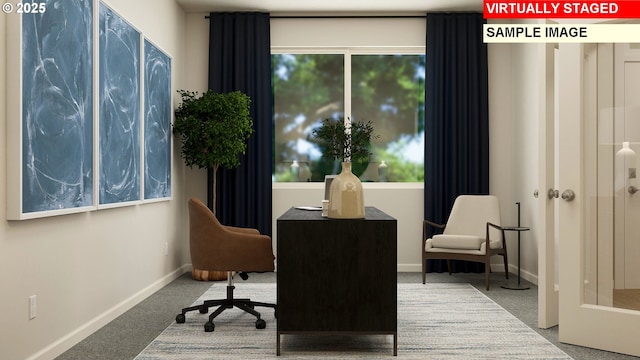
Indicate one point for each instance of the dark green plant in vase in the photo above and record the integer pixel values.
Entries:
(213, 129)
(345, 143)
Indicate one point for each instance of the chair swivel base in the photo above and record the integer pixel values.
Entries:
(243, 304)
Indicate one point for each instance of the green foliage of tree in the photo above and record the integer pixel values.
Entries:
(399, 169)
(213, 129)
(385, 90)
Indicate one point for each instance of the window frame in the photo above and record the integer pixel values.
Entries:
(347, 52)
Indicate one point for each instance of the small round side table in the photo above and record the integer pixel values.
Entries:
(517, 286)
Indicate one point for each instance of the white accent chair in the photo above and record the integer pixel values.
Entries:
(472, 233)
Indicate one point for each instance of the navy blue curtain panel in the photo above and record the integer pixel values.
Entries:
(240, 59)
(456, 118)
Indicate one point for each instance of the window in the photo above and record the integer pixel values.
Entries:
(384, 88)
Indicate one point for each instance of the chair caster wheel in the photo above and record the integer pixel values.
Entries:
(261, 324)
(203, 310)
(209, 327)
(180, 318)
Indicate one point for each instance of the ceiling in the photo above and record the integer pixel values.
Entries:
(332, 6)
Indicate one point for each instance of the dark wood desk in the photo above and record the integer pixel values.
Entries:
(337, 276)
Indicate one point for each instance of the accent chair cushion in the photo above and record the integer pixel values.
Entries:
(460, 242)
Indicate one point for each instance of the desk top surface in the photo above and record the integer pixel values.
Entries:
(371, 213)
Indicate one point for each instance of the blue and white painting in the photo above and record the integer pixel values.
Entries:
(57, 107)
(157, 123)
(119, 91)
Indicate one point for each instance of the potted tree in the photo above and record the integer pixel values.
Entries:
(348, 142)
(213, 129)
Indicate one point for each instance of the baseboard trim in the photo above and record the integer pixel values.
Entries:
(526, 275)
(495, 267)
(81, 333)
(409, 268)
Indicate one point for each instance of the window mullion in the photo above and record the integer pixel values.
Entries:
(347, 86)
(347, 96)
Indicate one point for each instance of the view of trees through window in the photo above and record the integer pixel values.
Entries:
(386, 89)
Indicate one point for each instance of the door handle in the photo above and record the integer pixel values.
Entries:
(553, 193)
(568, 195)
(632, 189)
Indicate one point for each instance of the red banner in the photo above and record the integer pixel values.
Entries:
(547, 9)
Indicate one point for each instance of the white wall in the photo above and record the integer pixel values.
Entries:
(515, 103)
(196, 79)
(87, 268)
(526, 134)
(526, 113)
(502, 143)
(363, 32)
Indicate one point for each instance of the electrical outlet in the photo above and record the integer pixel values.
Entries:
(32, 307)
(166, 248)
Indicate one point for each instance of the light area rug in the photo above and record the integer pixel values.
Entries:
(435, 321)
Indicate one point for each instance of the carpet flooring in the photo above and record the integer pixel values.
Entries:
(435, 321)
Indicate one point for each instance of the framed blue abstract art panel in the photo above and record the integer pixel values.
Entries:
(157, 123)
(119, 109)
(88, 121)
(50, 134)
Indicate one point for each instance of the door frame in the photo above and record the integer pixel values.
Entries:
(548, 297)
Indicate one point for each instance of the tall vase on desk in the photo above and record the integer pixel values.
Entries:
(349, 141)
(346, 197)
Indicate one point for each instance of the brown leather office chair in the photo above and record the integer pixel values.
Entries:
(216, 247)
(472, 233)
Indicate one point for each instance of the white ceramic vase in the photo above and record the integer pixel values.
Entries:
(346, 198)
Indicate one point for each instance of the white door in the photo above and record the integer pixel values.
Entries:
(587, 222)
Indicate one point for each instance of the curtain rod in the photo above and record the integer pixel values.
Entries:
(344, 17)
(349, 17)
